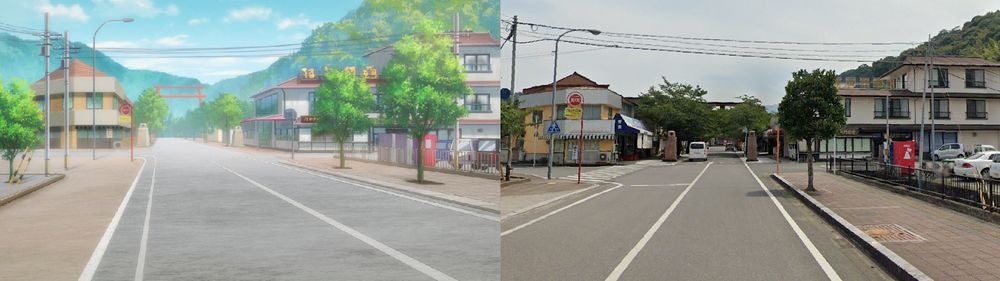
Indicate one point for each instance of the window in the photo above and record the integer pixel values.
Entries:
(312, 101)
(561, 112)
(69, 101)
(904, 82)
(975, 109)
(478, 103)
(591, 112)
(93, 103)
(898, 108)
(847, 107)
(267, 106)
(939, 78)
(975, 78)
(939, 109)
(879, 108)
(114, 102)
(536, 117)
(477, 63)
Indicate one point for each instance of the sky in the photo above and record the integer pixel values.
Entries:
(181, 24)
(630, 72)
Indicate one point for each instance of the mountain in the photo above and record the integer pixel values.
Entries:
(374, 24)
(976, 38)
(21, 60)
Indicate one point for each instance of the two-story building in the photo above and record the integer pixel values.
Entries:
(112, 131)
(603, 139)
(965, 90)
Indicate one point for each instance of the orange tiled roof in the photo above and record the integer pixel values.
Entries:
(77, 68)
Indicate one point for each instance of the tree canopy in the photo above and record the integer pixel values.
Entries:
(512, 127)
(151, 108)
(679, 107)
(811, 110)
(343, 101)
(20, 120)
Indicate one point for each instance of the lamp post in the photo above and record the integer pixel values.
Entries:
(555, 67)
(93, 86)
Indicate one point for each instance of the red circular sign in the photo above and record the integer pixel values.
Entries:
(574, 99)
(125, 109)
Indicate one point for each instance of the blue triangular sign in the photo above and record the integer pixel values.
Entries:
(553, 128)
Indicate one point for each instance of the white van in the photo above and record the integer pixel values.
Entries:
(697, 151)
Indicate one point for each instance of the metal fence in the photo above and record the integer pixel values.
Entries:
(467, 161)
(972, 191)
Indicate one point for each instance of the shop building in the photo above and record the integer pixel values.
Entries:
(113, 129)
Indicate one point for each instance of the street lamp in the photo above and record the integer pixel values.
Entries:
(93, 87)
(555, 67)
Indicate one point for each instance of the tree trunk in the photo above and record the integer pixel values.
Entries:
(341, 154)
(11, 168)
(809, 163)
(510, 155)
(420, 160)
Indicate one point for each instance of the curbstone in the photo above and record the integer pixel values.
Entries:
(895, 265)
(46, 182)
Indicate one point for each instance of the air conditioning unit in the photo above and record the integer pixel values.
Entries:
(117, 144)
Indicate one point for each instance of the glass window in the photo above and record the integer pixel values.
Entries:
(478, 103)
(69, 101)
(114, 102)
(312, 100)
(477, 63)
(975, 78)
(940, 109)
(95, 103)
(899, 108)
(939, 78)
(536, 116)
(847, 107)
(591, 112)
(975, 109)
(879, 108)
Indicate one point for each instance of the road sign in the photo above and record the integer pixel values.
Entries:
(573, 112)
(125, 109)
(574, 99)
(553, 128)
(124, 119)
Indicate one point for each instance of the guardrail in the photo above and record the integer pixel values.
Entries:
(972, 191)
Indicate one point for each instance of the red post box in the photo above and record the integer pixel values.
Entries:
(905, 153)
(430, 148)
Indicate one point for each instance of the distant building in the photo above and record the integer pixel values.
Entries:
(112, 131)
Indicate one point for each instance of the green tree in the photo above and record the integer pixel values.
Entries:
(423, 81)
(749, 115)
(991, 50)
(151, 108)
(679, 107)
(811, 110)
(20, 120)
(343, 101)
(225, 113)
(512, 126)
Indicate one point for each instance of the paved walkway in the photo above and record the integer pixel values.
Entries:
(946, 245)
(518, 198)
(51, 233)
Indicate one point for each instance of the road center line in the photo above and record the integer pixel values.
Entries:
(623, 265)
(140, 266)
(102, 245)
(428, 202)
(509, 231)
(415, 264)
(827, 268)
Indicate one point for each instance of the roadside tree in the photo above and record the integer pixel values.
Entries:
(511, 127)
(225, 112)
(679, 107)
(423, 82)
(343, 101)
(811, 110)
(151, 108)
(20, 120)
(749, 115)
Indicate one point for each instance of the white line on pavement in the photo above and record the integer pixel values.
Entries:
(830, 272)
(415, 264)
(509, 231)
(651, 185)
(546, 202)
(432, 203)
(140, 266)
(617, 272)
(102, 245)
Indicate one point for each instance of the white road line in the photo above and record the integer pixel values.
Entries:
(404, 196)
(102, 246)
(653, 185)
(415, 264)
(830, 272)
(509, 231)
(546, 202)
(623, 265)
(140, 266)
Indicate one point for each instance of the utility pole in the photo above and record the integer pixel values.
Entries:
(454, 143)
(67, 99)
(934, 105)
(513, 68)
(46, 49)
(923, 102)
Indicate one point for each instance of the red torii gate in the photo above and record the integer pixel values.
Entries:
(198, 96)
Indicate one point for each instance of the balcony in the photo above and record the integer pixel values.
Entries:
(893, 114)
(976, 115)
(975, 84)
(941, 115)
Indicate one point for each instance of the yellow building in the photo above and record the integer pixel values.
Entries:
(601, 145)
(112, 130)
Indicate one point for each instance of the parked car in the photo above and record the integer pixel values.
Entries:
(948, 151)
(977, 165)
(698, 151)
(982, 148)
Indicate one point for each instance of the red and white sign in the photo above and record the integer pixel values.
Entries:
(125, 109)
(574, 99)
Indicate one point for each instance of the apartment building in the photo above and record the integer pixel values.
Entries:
(965, 91)
(112, 131)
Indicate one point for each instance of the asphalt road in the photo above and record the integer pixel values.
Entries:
(199, 212)
(693, 221)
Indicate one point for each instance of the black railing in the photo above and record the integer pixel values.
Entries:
(975, 115)
(941, 114)
(975, 84)
(972, 191)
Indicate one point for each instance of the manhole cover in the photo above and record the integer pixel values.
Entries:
(890, 233)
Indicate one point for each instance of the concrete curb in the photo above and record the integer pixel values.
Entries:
(458, 200)
(40, 185)
(898, 267)
(513, 181)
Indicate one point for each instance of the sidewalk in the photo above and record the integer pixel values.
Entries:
(522, 197)
(51, 233)
(474, 192)
(944, 244)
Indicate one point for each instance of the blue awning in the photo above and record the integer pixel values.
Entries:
(630, 126)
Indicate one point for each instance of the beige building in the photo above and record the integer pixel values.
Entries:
(112, 130)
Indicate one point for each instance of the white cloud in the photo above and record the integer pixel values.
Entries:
(116, 44)
(176, 40)
(197, 21)
(208, 70)
(301, 20)
(248, 13)
(134, 8)
(74, 11)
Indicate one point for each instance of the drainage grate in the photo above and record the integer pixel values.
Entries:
(890, 233)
